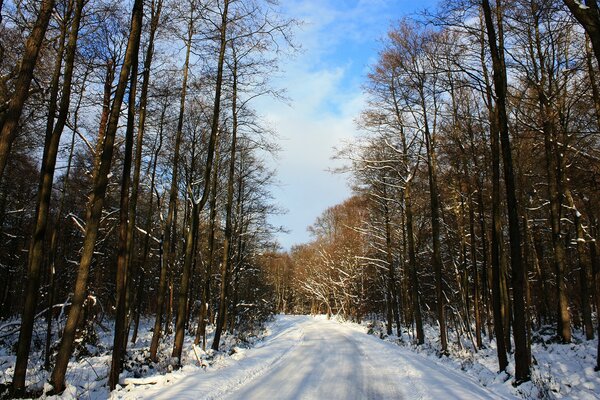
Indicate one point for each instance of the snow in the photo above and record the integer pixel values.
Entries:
(303, 357)
(308, 358)
(87, 373)
(559, 371)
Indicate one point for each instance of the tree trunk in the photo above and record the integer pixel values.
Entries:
(496, 44)
(36, 250)
(475, 272)
(589, 18)
(391, 279)
(182, 299)
(203, 319)
(496, 239)
(155, 11)
(9, 121)
(435, 231)
(146, 247)
(168, 245)
(32, 287)
(94, 210)
(120, 337)
(229, 204)
(198, 206)
(412, 259)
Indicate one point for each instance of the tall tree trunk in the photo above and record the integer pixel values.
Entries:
(435, 231)
(475, 272)
(496, 237)
(123, 248)
(408, 209)
(182, 299)
(391, 278)
(36, 250)
(496, 44)
(9, 120)
(198, 206)
(189, 256)
(33, 286)
(203, 318)
(95, 204)
(155, 11)
(146, 246)
(228, 206)
(54, 240)
(555, 185)
(168, 244)
(412, 259)
(586, 310)
(497, 275)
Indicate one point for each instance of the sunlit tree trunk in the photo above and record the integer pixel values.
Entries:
(168, 244)
(95, 204)
(155, 13)
(36, 250)
(496, 43)
(120, 336)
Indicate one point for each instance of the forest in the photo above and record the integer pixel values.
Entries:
(134, 180)
(136, 184)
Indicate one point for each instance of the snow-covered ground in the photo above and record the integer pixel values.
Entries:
(312, 358)
(302, 357)
(87, 374)
(559, 371)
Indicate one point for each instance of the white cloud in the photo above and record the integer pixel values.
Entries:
(310, 129)
(339, 41)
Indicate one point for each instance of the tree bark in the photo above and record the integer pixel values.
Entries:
(203, 319)
(155, 11)
(36, 249)
(435, 232)
(498, 310)
(391, 279)
(168, 244)
(146, 247)
(408, 209)
(589, 18)
(94, 208)
(123, 248)
(496, 44)
(9, 121)
(555, 185)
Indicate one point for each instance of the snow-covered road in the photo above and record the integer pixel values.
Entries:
(308, 358)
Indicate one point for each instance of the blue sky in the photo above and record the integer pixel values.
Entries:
(340, 40)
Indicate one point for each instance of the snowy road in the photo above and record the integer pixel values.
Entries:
(307, 358)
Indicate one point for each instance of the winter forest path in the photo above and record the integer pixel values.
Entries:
(311, 358)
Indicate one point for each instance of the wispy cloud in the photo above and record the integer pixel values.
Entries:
(339, 40)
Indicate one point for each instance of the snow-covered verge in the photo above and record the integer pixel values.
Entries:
(559, 371)
(193, 382)
(87, 374)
